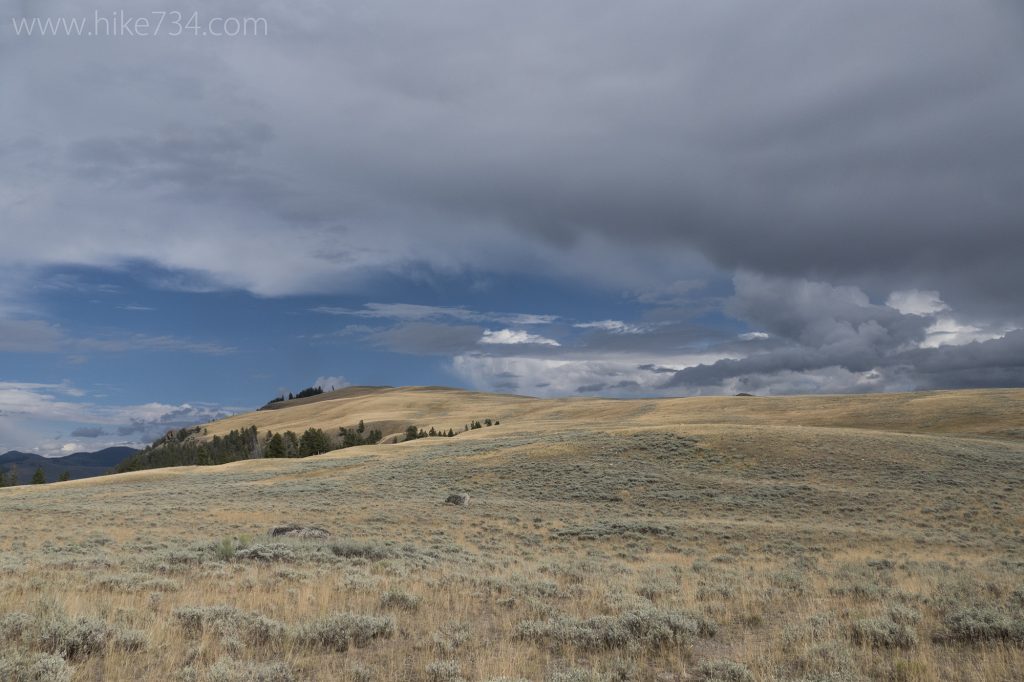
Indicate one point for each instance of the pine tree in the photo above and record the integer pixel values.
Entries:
(38, 477)
(291, 444)
(66, 476)
(451, 434)
(411, 433)
(361, 427)
(313, 442)
(3, 479)
(275, 446)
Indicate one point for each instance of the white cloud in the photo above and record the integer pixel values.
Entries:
(755, 336)
(946, 331)
(70, 448)
(916, 302)
(613, 326)
(513, 336)
(31, 413)
(331, 383)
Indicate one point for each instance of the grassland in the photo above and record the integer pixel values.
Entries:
(825, 539)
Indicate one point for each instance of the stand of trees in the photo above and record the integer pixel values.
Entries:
(414, 432)
(304, 393)
(186, 447)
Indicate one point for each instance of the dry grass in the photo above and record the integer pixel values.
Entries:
(815, 539)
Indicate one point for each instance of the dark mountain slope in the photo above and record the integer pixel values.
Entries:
(78, 465)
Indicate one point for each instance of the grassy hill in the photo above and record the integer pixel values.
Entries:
(79, 465)
(835, 538)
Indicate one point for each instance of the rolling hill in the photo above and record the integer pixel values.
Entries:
(839, 538)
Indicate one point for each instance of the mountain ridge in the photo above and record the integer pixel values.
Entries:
(78, 465)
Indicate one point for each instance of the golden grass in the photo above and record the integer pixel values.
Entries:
(599, 533)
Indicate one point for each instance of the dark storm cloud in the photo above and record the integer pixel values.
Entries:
(874, 142)
(835, 338)
(645, 146)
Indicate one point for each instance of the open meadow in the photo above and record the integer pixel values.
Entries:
(825, 539)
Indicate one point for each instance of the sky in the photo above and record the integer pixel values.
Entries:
(654, 198)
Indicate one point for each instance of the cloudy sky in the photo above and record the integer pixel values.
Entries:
(572, 198)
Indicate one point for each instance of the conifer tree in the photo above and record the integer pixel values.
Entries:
(291, 444)
(66, 476)
(38, 477)
(275, 446)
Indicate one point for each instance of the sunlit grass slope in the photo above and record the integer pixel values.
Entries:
(824, 538)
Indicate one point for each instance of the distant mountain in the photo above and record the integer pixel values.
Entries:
(78, 465)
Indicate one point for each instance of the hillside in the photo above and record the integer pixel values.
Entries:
(78, 465)
(838, 538)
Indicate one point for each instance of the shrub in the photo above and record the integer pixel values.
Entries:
(647, 629)
(352, 549)
(22, 667)
(450, 637)
(884, 632)
(335, 631)
(400, 600)
(444, 671)
(225, 549)
(229, 670)
(265, 553)
(826, 662)
(981, 624)
(130, 640)
(72, 639)
(230, 623)
(14, 625)
(904, 615)
(722, 671)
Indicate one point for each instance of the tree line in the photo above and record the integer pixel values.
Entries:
(186, 447)
(304, 393)
(9, 478)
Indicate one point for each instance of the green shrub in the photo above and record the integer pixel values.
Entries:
(72, 639)
(981, 624)
(230, 670)
(352, 549)
(904, 615)
(400, 600)
(722, 671)
(337, 630)
(229, 623)
(23, 667)
(646, 629)
(266, 553)
(885, 633)
(444, 671)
